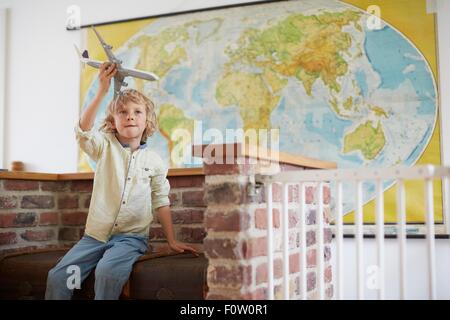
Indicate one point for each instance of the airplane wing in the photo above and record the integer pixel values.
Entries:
(139, 74)
(107, 48)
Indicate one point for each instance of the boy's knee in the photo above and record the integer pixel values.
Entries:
(108, 270)
(56, 276)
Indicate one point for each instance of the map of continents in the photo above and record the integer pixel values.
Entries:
(336, 89)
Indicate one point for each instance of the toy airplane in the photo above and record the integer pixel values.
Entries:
(121, 72)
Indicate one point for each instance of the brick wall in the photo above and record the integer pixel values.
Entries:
(236, 242)
(46, 214)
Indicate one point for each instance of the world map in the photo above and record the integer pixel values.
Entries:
(336, 88)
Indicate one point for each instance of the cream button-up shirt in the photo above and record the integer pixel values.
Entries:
(127, 186)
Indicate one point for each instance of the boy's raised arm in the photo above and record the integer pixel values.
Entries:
(107, 71)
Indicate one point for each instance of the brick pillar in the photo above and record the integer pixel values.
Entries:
(235, 222)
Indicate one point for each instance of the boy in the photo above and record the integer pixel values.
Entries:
(130, 180)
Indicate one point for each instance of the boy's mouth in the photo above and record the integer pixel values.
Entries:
(130, 126)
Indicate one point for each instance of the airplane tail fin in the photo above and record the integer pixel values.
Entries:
(83, 56)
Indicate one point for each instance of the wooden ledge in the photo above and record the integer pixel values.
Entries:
(236, 150)
(21, 175)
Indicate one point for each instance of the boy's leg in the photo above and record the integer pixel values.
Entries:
(113, 270)
(85, 255)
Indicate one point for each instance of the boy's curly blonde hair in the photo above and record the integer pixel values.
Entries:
(123, 98)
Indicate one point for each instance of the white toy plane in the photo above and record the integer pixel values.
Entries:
(121, 72)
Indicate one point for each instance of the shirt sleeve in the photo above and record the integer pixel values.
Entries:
(160, 188)
(90, 141)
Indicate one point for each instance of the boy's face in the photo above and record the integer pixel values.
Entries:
(130, 120)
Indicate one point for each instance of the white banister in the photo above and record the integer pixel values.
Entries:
(339, 242)
(320, 250)
(429, 205)
(359, 241)
(269, 217)
(285, 234)
(401, 237)
(302, 255)
(380, 237)
(360, 177)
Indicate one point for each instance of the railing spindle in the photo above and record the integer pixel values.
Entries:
(269, 216)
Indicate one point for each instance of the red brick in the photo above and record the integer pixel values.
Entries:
(8, 238)
(277, 192)
(230, 277)
(294, 263)
(326, 194)
(327, 253)
(82, 185)
(311, 217)
(87, 202)
(261, 218)
(255, 247)
(193, 198)
(328, 274)
(174, 199)
(327, 235)
(186, 181)
(311, 257)
(191, 234)
(38, 235)
(56, 186)
(311, 281)
(23, 219)
(329, 292)
(224, 193)
(221, 169)
(187, 216)
(8, 202)
(262, 271)
(21, 185)
(258, 294)
(292, 218)
(68, 202)
(69, 234)
(234, 220)
(309, 194)
(74, 218)
(221, 248)
(310, 238)
(37, 202)
(156, 233)
(48, 218)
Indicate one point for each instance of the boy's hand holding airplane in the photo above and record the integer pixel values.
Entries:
(107, 71)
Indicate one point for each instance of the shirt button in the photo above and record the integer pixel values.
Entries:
(115, 225)
(123, 202)
(129, 178)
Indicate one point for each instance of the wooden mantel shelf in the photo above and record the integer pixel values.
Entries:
(21, 175)
(236, 149)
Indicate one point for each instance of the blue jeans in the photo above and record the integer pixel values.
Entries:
(113, 262)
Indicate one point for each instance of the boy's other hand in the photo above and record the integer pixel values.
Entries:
(182, 247)
(106, 72)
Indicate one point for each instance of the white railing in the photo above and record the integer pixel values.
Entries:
(357, 177)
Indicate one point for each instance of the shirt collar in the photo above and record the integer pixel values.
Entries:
(143, 145)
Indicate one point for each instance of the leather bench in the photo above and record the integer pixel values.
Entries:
(155, 276)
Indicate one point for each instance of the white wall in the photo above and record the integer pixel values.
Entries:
(416, 269)
(42, 90)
